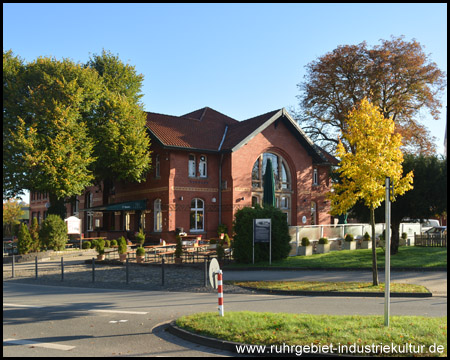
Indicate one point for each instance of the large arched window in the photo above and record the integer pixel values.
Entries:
(197, 218)
(282, 177)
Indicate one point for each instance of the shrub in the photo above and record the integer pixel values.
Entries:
(226, 240)
(243, 238)
(140, 251)
(349, 237)
(86, 245)
(121, 240)
(305, 241)
(107, 243)
(140, 237)
(323, 240)
(100, 247)
(404, 236)
(113, 242)
(222, 229)
(179, 247)
(34, 233)
(366, 236)
(122, 249)
(220, 252)
(25, 240)
(53, 233)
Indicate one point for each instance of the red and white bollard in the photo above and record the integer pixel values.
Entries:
(220, 292)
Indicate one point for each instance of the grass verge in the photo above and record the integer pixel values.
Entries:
(408, 257)
(329, 286)
(416, 333)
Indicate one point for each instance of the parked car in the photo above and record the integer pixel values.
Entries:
(427, 224)
(437, 230)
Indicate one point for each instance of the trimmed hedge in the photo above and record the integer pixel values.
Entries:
(243, 235)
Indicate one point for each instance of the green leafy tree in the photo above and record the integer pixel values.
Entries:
(363, 173)
(397, 76)
(69, 126)
(34, 233)
(12, 212)
(243, 238)
(53, 233)
(25, 242)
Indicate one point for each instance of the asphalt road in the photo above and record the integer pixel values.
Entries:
(65, 321)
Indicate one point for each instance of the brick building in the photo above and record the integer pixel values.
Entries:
(206, 166)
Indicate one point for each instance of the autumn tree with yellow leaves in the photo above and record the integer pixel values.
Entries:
(363, 172)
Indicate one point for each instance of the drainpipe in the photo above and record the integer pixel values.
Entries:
(220, 174)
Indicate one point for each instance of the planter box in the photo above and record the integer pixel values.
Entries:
(140, 259)
(349, 245)
(323, 248)
(305, 250)
(123, 257)
(366, 244)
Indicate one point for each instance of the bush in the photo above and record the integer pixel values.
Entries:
(53, 233)
(366, 236)
(107, 243)
(34, 233)
(226, 240)
(100, 247)
(25, 240)
(349, 238)
(404, 236)
(323, 240)
(179, 247)
(122, 249)
(140, 251)
(243, 238)
(94, 243)
(222, 229)
(220, 252)
(113, 242)
(121, 240)
(140, 237)
(86, 245)
(305, 241)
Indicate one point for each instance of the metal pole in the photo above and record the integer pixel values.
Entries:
(62, 268)
(270, 242)
(93, 269)
(162, 272)
(36, 265)
(220, 292)
(127, 271)
(388, 255)
(13, 261)
(253, 261)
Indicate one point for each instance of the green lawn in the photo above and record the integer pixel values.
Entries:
(329, 286)
(408, 257)
(412, 332)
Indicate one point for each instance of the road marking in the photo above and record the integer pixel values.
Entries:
(38, 344)
(121, 312)
(22, 306)
(115, 322)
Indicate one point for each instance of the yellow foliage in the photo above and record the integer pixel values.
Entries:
(376, 155)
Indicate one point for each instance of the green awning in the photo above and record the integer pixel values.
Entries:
(123, 206)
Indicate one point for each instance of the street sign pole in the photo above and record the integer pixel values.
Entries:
(388, 254)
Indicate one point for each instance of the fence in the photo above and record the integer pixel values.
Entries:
(334, 233)
(431, 240)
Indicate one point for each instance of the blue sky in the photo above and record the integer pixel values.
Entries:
(240, 59)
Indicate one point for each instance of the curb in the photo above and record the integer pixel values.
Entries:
(337, 293)
(230, 345)
(268, 268)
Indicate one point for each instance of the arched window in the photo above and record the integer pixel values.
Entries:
(157, 216)
(202, 166)
(197, 217)
(191, 165)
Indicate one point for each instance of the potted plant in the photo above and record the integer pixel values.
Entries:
(366, 243)
(306, 248)
(100, 248)
(349, 242)
(122, 249)
(86, 245)
(220, 254)
(178, 251)
(140, 254)
(323, 246)
(140, 237)
(403, 239)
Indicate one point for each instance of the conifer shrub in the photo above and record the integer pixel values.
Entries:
(53, 233)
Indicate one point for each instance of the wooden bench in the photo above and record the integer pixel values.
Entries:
(162, 255)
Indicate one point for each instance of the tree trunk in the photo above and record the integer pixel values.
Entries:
(374, 248)
(395, 238)
(57, 206)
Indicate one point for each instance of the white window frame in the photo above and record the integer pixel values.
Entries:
(191, 166)
(197, 210)
(203, 166)
(157, 223)
(315, 177)
(127, 221)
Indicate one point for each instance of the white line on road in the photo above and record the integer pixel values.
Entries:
(38, 344)
(121, 312)
(22, 306)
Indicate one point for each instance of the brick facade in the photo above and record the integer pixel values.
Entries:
(176, 189)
